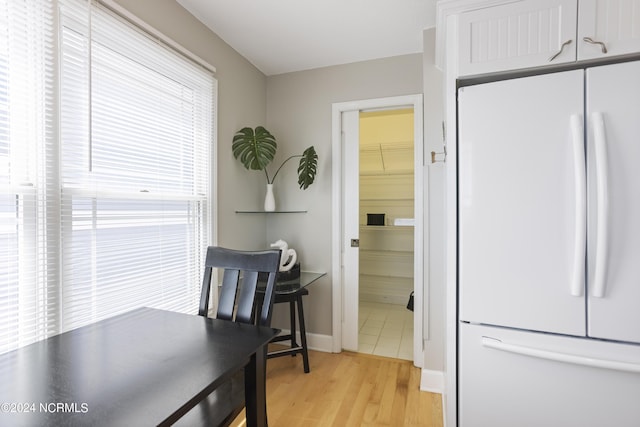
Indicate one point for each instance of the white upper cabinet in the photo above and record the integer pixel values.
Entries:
(535, 33)
(608, 28)
(517, 35)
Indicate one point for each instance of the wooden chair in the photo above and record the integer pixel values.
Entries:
(237, 302)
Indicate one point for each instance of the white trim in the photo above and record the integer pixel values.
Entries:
(213, 185)
(420, 282)
(445, 420)
(432, 381)
(451, 208)
(349, 227)
(156, 34)
(336, 256)
(136, 195)
(421, 237)
(317, 342)
(213, 189)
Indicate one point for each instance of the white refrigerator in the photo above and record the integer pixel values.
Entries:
(549, 250)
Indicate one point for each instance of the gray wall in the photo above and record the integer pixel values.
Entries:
(299, 115)
(296, 107)
(241, 102)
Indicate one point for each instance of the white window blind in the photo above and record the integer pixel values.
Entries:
(28, 304)
(112, 211)
(136, 132)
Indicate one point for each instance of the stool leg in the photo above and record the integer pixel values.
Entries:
(303, 335)
(292, 315)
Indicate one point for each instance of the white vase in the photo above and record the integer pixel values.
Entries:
(269, 201)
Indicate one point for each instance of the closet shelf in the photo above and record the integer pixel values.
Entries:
(266, 212)
(377, 199)
(386, 251)
(386, 227)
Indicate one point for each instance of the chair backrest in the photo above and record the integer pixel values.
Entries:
(236, 302)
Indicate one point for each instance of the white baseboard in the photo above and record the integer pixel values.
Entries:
(432, 381)
(316, 342)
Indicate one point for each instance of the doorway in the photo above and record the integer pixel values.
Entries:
(400, 218)
(386, 218)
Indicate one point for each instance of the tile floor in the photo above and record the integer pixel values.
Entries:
(385, 330)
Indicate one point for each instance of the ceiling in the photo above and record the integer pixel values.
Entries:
(280, 36)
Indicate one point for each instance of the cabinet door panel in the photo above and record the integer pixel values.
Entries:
(517, 35)
(616, 23)
(517, 205)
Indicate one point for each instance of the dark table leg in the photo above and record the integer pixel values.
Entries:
(303, 335)
(255, 390)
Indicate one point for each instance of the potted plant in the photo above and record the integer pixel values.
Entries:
(257, 148)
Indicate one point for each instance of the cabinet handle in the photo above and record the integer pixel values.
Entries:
(568, 42)
(579, 244)
(602, 188)
(592, 41)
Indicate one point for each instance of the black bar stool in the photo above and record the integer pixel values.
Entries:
(293, 298)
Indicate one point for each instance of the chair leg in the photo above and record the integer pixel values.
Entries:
(303, 335)
(292, 315)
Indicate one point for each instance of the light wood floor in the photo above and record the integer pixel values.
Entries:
(348, 389)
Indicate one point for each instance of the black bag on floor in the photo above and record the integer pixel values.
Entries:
(410, 303)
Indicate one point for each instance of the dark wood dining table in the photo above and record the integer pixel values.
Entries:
(141, 368)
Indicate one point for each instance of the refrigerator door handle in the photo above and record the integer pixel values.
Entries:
(580, 178)
(602, 234)
(573, 359)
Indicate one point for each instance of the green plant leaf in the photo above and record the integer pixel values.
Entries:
(255, 149)
(307, 168)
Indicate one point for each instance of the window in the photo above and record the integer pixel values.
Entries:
(27, 88)
(112, 211)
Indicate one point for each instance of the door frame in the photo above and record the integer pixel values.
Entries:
(420, 236)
